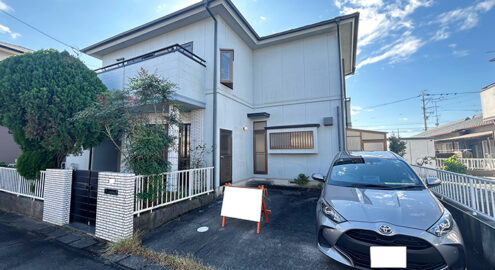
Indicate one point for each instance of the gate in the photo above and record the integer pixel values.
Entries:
(83, 199)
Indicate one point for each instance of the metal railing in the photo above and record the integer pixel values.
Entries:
(473, 192)
(472, 163)
(154, 191)
(12, 182)
(163, 51)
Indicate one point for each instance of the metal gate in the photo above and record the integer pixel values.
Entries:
(83, 201)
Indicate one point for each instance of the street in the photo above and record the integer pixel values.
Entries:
(21, 249)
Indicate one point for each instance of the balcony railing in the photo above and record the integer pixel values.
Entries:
(475, 193)
(170, 49)
(486, 164)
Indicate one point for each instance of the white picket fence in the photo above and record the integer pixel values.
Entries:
(486, 164)
(154, 191)
(12, 182)
(473, 192)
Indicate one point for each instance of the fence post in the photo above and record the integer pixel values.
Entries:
(191, 181)
(471, 193)
(19, 178)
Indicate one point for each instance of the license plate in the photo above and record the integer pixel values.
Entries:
(388, 257)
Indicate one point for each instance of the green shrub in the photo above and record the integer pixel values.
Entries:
(301, 179)
(452, 164)
(30, 163)
(3, 164)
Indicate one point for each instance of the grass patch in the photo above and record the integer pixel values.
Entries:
(134, 246)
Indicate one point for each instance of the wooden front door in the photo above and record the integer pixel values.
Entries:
(225, 156)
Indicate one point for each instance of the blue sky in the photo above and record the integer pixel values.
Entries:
(405, 46)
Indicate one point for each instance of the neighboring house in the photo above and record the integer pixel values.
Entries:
(10, 150)
(271, 106)
(366, 140)
(471, 139)
(420, 151)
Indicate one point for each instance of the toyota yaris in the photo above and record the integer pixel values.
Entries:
(374, 211)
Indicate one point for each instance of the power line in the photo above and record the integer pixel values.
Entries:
(41, 32)
(391, 102)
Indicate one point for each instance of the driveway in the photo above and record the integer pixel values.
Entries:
(288, 241)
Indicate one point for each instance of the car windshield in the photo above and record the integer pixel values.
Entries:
(374, 173)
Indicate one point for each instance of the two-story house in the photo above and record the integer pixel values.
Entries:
(270, 107)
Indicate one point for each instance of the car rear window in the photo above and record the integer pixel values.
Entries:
(373, 171)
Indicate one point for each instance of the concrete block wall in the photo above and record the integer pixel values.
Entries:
(114, 213)
(58, 189)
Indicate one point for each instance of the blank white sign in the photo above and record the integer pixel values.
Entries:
(242, 203)
(388, 257)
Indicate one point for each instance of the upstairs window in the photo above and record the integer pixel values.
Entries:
(227, 68)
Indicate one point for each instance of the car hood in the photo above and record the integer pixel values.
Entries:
(408, 208)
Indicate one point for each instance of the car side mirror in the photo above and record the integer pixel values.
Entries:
(318, 177)
(433, 181)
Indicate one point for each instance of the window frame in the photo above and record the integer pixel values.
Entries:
(313, 150)
(229, 82)
(259, 131)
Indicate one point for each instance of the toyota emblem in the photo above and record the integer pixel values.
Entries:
(384, 229)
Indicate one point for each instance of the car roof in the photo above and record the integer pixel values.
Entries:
(365, 155)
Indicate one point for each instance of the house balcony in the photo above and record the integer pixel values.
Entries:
(174, 63)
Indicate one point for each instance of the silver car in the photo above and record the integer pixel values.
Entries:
(375, 199)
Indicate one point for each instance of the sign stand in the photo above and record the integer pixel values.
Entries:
(263, 206)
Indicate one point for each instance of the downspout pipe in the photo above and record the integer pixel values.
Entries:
(343, 118)
(215, 63)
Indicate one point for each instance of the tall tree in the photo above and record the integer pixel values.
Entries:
(140, 117)
(396, 145)
(40, 92)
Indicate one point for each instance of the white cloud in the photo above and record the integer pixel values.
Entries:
(398, 51)
(441, 34)
(463, 18)
(4, 6)
(460, 53)
(263, 18)
(385, 23)
(357, 109)
(452, 45)
(404, 119)
(388, 31)
(6, 30)
(174, 5)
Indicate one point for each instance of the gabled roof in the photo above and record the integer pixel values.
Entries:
(15, 49)
(232, 16)
(468, 123)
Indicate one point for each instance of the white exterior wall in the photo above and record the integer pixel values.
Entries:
(296, 82)
(78, 162)
(488, 102)
(419, 149)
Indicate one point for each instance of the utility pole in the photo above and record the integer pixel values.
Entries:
(424, 109)
(436, 114)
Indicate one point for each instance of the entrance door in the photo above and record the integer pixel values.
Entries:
(185, 147)
(225, 156)
(83, 199)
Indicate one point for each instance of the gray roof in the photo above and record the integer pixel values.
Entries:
(467, 123)
(14, 48)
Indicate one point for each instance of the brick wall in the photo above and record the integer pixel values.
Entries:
(114, 213)
(56, 207)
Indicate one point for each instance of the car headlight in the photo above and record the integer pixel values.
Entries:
(443, 225)
(331, 213)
